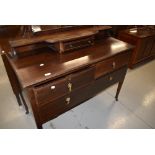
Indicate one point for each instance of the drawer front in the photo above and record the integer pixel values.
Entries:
(67, 102)
(58, 88)
(81, 78)
(111, 64)
(109, 79)
(50, 91)
(76, 44)
(153, 48)
(63, 104)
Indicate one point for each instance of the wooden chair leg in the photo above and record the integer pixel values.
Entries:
(25, 105)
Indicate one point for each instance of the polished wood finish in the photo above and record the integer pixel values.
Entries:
(61, 36)
(50, 91)
(56, 83)
(59, 106)
(74, 44)
(153, 49)
(53, 90)
(110, 79)
(59, 65)
(111, 64)
(144, 41)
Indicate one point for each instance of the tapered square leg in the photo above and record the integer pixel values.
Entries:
(18, 99)
(118, 89)
(25, 105)
(39, 126)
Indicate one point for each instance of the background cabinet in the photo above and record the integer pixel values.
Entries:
(153, 49)
(144, 41)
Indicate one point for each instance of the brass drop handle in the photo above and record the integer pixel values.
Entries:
(114, 65)
(70, 87)
(68, 99)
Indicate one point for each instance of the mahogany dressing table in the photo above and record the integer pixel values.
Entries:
(55, 83)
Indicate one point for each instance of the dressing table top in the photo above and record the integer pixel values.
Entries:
(31, 70)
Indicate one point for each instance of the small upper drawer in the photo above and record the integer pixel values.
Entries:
(64, 46)
(111, 64)
(80, 43)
